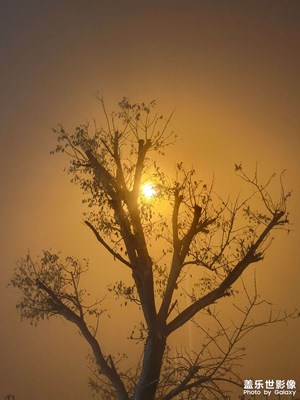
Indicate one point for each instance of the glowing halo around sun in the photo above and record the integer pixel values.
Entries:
(148, 190)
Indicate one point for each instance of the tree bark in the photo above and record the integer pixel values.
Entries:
(152, 362)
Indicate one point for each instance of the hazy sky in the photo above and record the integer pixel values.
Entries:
(229, 69)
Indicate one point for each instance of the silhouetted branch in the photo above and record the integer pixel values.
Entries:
(106, 246)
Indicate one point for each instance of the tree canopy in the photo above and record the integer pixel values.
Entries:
(158, 236)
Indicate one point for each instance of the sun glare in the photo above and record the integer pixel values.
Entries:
(148, 190)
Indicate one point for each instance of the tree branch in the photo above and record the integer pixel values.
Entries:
(179, 254)
(108, 248)
(178, 200)
(251, 257)
(142, 151)
(193, 230)
(109, 371)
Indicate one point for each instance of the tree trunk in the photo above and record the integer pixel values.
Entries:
(152, 362)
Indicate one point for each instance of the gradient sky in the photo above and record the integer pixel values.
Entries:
(229, 69)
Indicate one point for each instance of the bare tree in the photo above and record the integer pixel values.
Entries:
(193, 229)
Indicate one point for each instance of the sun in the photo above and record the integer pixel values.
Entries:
(148, 190)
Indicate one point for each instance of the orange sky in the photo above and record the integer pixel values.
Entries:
(229, 69)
